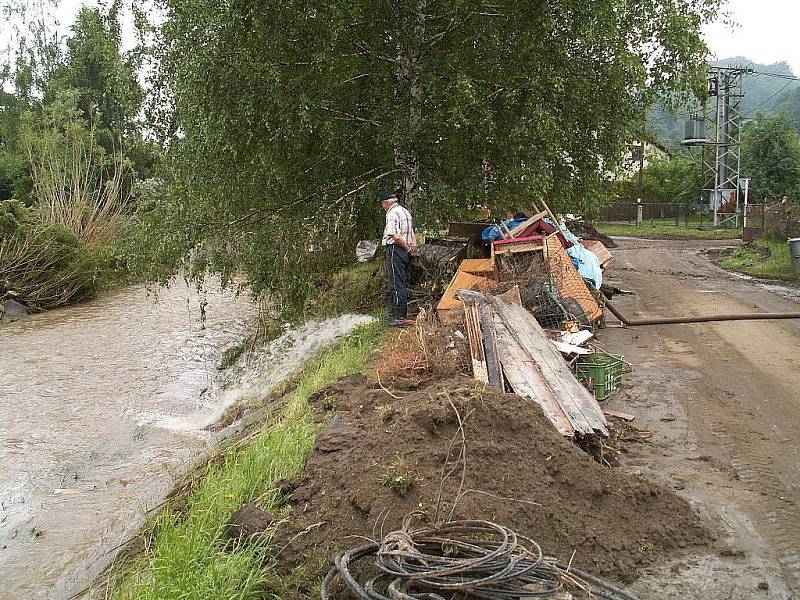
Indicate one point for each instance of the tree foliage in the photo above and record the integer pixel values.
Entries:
(68, 139)
(771, 157)
(678, 180)
(42, 264)
(286, 118)
(109, 94)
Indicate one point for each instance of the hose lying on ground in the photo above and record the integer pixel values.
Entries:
(698, 319)
(476, 559)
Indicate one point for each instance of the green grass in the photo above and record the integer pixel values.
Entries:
(355, 288)
(186, 556)
(763, 258)
(667, 229)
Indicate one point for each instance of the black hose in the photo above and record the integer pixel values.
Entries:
(698, 319)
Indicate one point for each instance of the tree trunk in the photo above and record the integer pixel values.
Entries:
(410, 85)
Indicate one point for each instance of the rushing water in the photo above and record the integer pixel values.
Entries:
(102, 406)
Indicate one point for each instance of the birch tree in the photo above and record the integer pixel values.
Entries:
(286, 118)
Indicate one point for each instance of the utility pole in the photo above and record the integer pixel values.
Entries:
(721, 152)
(725, 84)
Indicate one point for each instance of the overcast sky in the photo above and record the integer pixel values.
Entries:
(767, 31)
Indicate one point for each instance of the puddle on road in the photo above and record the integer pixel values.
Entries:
(104, 405)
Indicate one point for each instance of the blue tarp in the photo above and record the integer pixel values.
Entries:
(493, 232)
(588, 264)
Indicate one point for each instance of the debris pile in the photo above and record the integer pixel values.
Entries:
(550, 281)
(507, 343)
(456, 450)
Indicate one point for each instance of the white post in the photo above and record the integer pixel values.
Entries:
(746, 188)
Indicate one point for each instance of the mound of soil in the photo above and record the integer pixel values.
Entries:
(382, 458)
(585, 230)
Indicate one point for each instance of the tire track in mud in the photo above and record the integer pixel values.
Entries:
(781, 516)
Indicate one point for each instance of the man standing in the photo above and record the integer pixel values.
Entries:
(399, 238)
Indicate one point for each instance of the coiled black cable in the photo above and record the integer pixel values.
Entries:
(478, 559)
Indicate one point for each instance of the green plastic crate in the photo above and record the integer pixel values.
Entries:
(601, 371)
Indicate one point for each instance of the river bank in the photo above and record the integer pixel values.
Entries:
(106, 405)
(347, 459)
(182, 557)
(345, 456)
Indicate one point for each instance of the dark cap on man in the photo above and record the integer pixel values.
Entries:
(387, 196)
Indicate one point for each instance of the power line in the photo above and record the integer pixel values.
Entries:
(752, 110)
(778, 75)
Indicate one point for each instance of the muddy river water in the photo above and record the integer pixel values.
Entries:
(103, 405)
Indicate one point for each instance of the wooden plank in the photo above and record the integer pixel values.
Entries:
(498, 249)
(517, 231)
(599, 250)
(463, 281)
(556, 222)
(619, 415)
(553, 374)
(479, 370)
(493, 366)
(527, 380)
(477, 266)
(569, 282)
(576, 401)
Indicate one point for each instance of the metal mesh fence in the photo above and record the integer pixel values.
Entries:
(550, 286)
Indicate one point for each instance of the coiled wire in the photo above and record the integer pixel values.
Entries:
(476, 559)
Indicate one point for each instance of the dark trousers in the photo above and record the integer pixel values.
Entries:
(397, 261)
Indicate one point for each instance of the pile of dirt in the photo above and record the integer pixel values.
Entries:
(384, 455)
(585, 230)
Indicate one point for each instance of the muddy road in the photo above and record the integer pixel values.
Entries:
(103, 405)
(723, 403)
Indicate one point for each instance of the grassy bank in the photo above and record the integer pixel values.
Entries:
(763, 258)
(665, 229)
(186, 555)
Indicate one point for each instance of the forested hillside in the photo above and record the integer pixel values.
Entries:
(761, 94)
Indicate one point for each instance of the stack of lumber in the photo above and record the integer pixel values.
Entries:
(508, 344)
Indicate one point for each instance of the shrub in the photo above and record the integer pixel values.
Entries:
(44, 265)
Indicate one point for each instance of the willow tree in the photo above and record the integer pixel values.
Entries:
(285, 118)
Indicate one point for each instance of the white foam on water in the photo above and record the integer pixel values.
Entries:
(257, 372)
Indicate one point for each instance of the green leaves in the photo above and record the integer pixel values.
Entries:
(771, 157)
(290, 117)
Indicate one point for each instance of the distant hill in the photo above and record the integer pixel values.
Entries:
(761, 93)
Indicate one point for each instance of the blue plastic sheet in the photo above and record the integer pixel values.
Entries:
(588, 264)
(493, 232)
